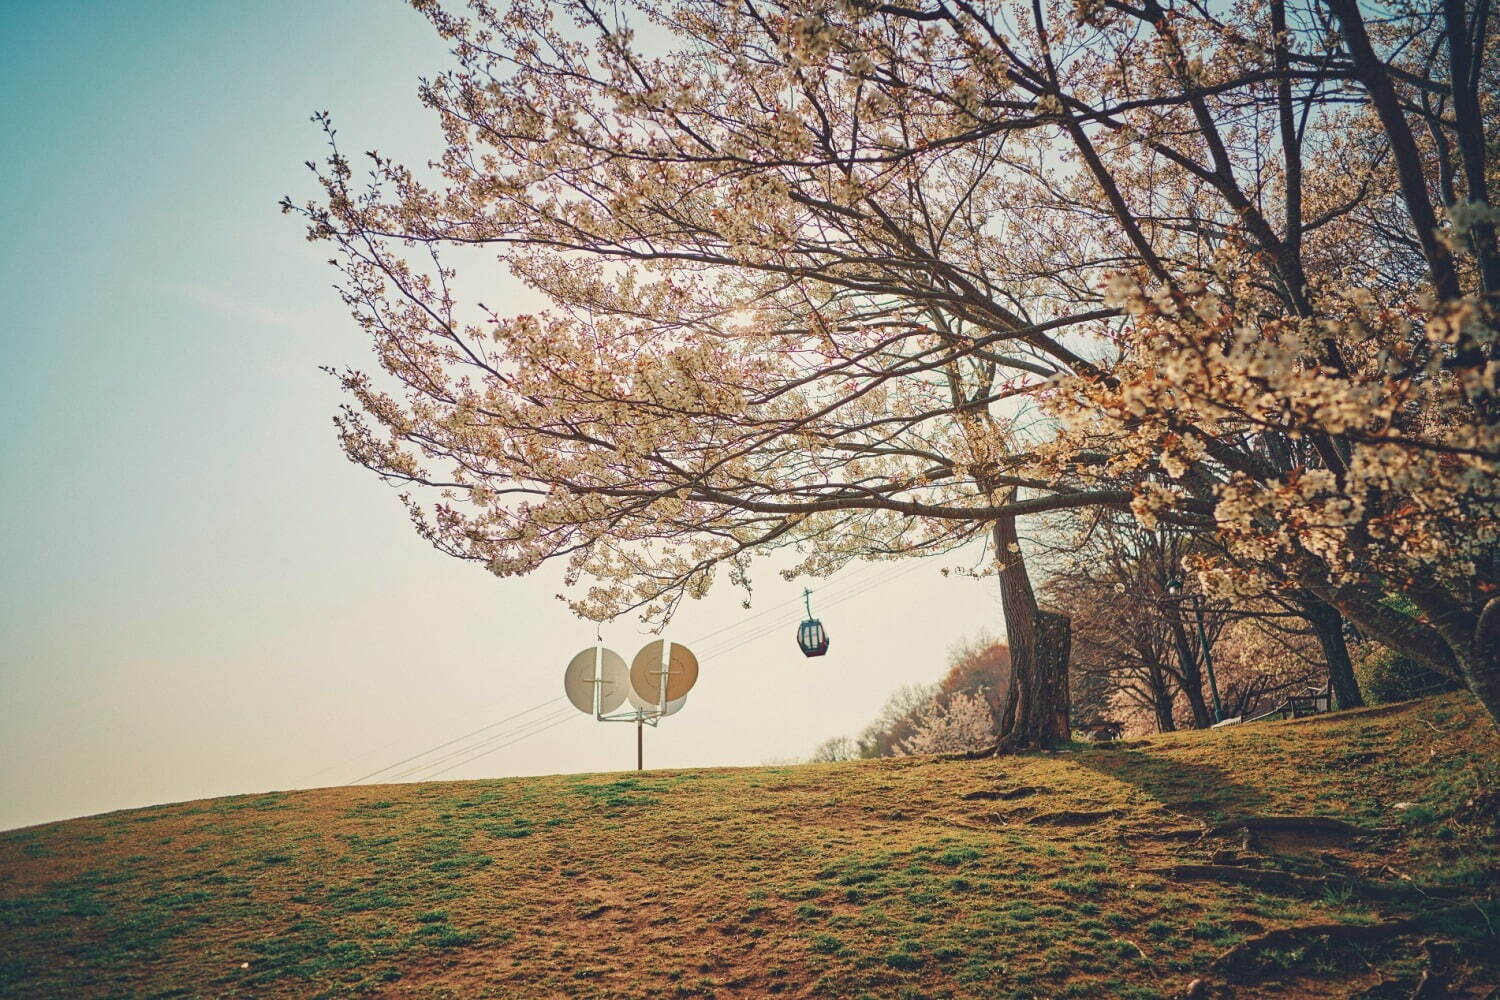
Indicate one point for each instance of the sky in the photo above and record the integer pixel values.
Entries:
(199, 595)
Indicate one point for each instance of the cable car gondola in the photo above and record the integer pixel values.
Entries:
(811, 637)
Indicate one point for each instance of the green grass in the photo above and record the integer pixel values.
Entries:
(872, 878)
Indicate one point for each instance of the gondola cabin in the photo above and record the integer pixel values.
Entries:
(812, 638)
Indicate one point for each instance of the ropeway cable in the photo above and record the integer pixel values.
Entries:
(870, 567)
(864, 586)
(349, 762)
(460, 751)
(456, 739)
(852, 586)
(566, 717)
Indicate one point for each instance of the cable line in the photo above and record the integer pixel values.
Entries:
(867, 568)
(864, 586)
(459, 752)
(849, 586)
(457, 739)
(483, 750)
(362, 755)
(854, 585)
(502, 746)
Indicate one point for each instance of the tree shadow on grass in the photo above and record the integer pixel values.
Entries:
(1204, 791)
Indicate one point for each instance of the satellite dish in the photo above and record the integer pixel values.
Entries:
(611, 677)
(636, 701)
(671, 708)
(646, 670)
(614, 681)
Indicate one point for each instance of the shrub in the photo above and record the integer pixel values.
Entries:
(1386, 676)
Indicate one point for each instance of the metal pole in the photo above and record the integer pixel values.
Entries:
(598, 679)
(1208, 660)
(640, 742)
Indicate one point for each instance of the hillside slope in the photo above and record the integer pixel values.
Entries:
(1037, 876)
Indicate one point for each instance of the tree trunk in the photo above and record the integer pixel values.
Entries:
(1161, 699)
(1473, 659)
(1036, 704)
(1054, 644)
(1328, 626)
(1482, 673)
(1018, 602)
(1156, 684)
(1192, 675)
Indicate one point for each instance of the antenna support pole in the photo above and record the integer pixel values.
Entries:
(643, 711)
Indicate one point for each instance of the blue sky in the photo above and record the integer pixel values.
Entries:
(198, 594)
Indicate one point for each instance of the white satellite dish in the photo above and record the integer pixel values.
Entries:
(655, 658)
(656, 683)
(636, 701)
(671, 707)
(614, 681)
(596, 667)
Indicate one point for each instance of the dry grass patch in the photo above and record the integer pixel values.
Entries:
(1030, 876)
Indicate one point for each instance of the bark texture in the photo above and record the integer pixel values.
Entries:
(1192, 672)
(1036, 705)
(1328, 625)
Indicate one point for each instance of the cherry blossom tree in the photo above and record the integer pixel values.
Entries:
(896, 721)
(868, 280)
(962, 724)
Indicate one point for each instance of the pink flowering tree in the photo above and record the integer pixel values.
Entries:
(962, 724)
(869, 280)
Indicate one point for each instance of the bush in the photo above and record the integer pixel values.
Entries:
(1386, 676)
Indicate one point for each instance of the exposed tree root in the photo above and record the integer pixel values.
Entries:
(1021, 791)
(1298, 824)
(1243, 961)
(1243, 957)
(1280, 881)
(1186, 834)
(986, 794)
(1439, 972)
(964, 824)
(1386, 989)
(1072, 817)
(992, 750)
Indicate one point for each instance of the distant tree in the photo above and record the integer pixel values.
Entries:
(962, 724)
(1262, 659)
(979, 666)
(896, 721)
(1137, 645)
(835, 749)
(1130, 634)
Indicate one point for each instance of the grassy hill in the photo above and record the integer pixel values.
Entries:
(1073, 874)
